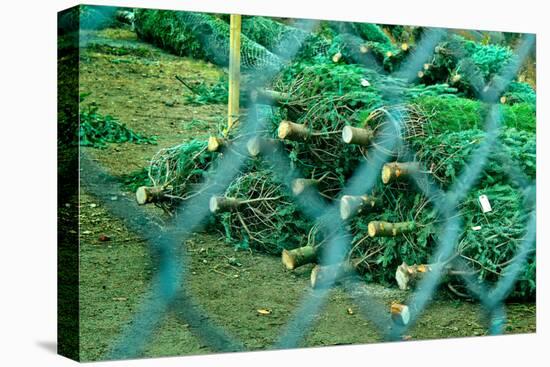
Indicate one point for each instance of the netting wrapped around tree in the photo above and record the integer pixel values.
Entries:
(371, 32)
(279, 38)
(443, 156)
(464, 64)
(487, 243)
(324, 99)
(256, 212)
(369, 44)
(451, 113)
(518, 92)
(201, 36)
(488, 239)
(176, 174)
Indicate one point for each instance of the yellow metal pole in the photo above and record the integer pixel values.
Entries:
(234, 71)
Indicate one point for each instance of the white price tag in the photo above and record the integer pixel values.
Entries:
(485, 204)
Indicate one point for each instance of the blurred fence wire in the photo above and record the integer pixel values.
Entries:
(168, 293)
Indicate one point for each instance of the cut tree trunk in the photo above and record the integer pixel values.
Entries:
(293, 259)
(337, 57)
(220, 204)
(398, 171)
(258, 145)
(321, 274)
(387, 229)
(400, 314)
(351, 205)
(269, 97)
(407, 276)
(357, 136)
(147, 194)
(291, 131)
(299, 185)
(215, 144)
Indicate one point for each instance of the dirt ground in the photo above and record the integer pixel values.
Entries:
(138, 87)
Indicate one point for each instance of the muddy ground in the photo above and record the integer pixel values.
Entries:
(136, 83)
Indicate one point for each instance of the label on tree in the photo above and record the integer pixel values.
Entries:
(485, 204)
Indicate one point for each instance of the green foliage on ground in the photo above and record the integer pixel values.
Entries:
(96, 130)
(133, 180)
(203, 93)
(120, 50)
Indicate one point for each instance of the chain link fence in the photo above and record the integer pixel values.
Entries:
(168, 292)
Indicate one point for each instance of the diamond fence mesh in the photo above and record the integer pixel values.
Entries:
(168, 292)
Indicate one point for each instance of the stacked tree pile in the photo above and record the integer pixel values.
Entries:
(325, 98)
(405, 227)
(328, 117)
(464, 63)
